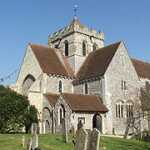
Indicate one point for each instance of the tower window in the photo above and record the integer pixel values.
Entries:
(60, 86)
(84, 48)
(86, 89)
(123, 85)
(66, 48)
(94, 46)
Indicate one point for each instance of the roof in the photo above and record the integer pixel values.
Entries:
(97, 62)
(84, 103)
(50, 62)
(142, 68)
(52, 98)
(79, 102)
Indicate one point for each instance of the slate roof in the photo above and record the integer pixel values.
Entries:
(79, 102)
(142, 68)
(50, 62)
(97, 62)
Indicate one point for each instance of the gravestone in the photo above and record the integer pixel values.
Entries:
(94, 140)
(64, 130)
(23, 141)
(79, 125)
(81, 139)
(35, 141)
(29, 144)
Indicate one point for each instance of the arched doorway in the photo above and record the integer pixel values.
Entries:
(97, 122)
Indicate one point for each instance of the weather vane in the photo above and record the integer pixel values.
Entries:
(75, 11)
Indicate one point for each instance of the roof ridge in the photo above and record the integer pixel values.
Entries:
(143, 61)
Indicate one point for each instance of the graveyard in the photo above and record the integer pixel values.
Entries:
(55, 142)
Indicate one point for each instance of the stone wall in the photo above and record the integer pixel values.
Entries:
(52, 85)
(121, 68)
(29, 62)
(94, 88)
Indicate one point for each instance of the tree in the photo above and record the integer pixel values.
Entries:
(145, 102)
(13, 111)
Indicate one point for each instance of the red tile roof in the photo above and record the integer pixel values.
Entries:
(52, 98)
(79, 103)
(142, 68)
(50, 62)
(85, 103)
(97, 62)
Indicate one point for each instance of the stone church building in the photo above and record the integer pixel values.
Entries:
(76, 77)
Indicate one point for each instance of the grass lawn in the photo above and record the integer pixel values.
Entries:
(55, 142)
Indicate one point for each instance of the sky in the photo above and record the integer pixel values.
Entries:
(31, 21)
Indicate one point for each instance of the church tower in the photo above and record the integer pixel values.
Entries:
(76, 41)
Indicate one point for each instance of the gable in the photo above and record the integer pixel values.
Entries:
(97, 62)
(121, 68)
(50, 62)
(29, 66)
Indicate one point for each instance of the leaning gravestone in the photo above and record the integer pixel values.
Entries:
(81, 139)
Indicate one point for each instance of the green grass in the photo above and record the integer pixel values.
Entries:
(55, 142)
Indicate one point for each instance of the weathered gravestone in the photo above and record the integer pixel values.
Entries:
(29, 144)
(87, 140)
(23, 141)
(35, 141)
(94, 140)
(64, 131)
(81, 139)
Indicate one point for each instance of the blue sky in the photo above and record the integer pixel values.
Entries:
(24, 21)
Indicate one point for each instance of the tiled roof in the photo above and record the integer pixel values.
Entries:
(142, 68)
(52, 98)
(84, 103)
(79, 103)
(50, 62)
(97, 62)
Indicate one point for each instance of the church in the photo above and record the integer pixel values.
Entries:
(76, 77)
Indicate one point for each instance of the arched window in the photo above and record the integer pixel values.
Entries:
(27, 83)
(129, 109)
(66, 48)
(84, 48)
(86, 88)
(94, 46)
(60, 87)
(119, 109)
(61, 114)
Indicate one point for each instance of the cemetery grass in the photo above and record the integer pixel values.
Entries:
(55, 142)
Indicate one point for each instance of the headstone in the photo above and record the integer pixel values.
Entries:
(34, 141)
(65, 131)
(80, 125)
(94, 140)
(29, 144)
(81, 139)
(23, 141)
